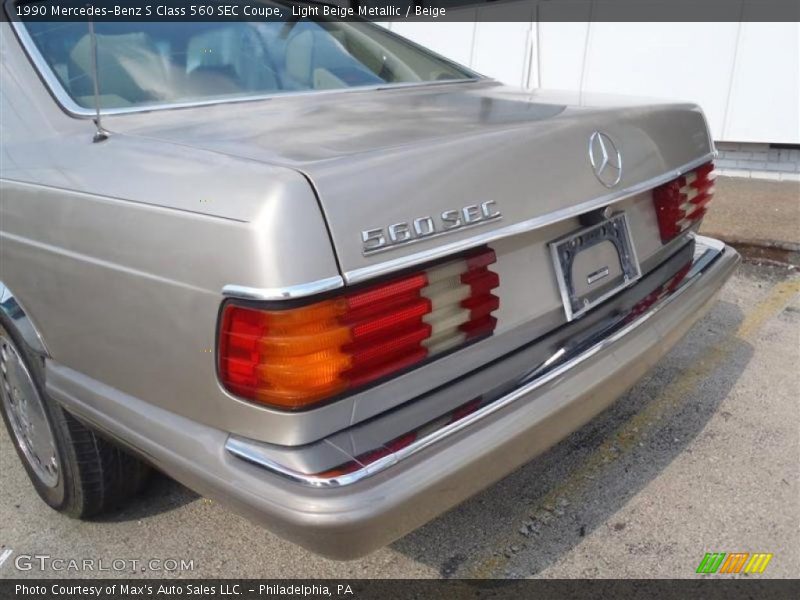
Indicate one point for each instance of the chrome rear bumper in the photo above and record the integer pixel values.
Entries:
(369, 448)
(548, 390)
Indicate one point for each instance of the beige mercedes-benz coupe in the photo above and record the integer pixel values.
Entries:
(321, 274)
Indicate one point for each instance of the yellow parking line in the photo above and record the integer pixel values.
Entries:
(777, 299)
(625, 437)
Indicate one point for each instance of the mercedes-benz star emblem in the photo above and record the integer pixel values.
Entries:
(605, 158)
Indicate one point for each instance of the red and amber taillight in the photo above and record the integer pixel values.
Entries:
(683, 201)
(297, 357)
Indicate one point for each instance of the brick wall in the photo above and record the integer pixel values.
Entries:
(760, 161)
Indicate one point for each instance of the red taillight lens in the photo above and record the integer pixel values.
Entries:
(683, 201)
(660, 292)
(297, 357)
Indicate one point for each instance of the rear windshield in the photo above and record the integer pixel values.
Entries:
(142, 64)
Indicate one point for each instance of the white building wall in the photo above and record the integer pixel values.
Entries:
(745, 76)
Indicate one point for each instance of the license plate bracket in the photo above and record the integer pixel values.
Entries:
(594, 263)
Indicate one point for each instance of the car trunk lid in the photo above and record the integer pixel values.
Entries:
(499, 160)
(516, 165)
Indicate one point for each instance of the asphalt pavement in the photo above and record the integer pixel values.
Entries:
(703, 455)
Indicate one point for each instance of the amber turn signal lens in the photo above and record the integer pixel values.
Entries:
(297, 357)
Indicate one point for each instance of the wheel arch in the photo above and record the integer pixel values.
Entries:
(16, 316)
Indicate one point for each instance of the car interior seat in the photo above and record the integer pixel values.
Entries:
(316, 60)
(130, 70)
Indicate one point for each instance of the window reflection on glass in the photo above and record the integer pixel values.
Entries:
(161, 63)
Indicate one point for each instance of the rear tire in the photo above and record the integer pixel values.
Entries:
(72, 468)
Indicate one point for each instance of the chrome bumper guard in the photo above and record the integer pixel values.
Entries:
(373, 446)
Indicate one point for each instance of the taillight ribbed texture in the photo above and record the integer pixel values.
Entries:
(297, 357)
(659, 293)
(683, 201)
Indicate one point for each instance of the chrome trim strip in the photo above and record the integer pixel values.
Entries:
(283, 293)
(706, 252)
(76, 110)
(44, 71)
(365, 273)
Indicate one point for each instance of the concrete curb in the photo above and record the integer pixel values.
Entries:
(770, 244)
(769, 251)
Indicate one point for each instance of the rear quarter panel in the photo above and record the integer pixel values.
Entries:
(118, 251)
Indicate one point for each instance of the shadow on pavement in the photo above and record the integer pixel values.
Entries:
(161, 494)
(550, 504)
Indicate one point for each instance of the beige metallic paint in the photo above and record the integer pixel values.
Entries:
(134, 239)
(349, 522)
